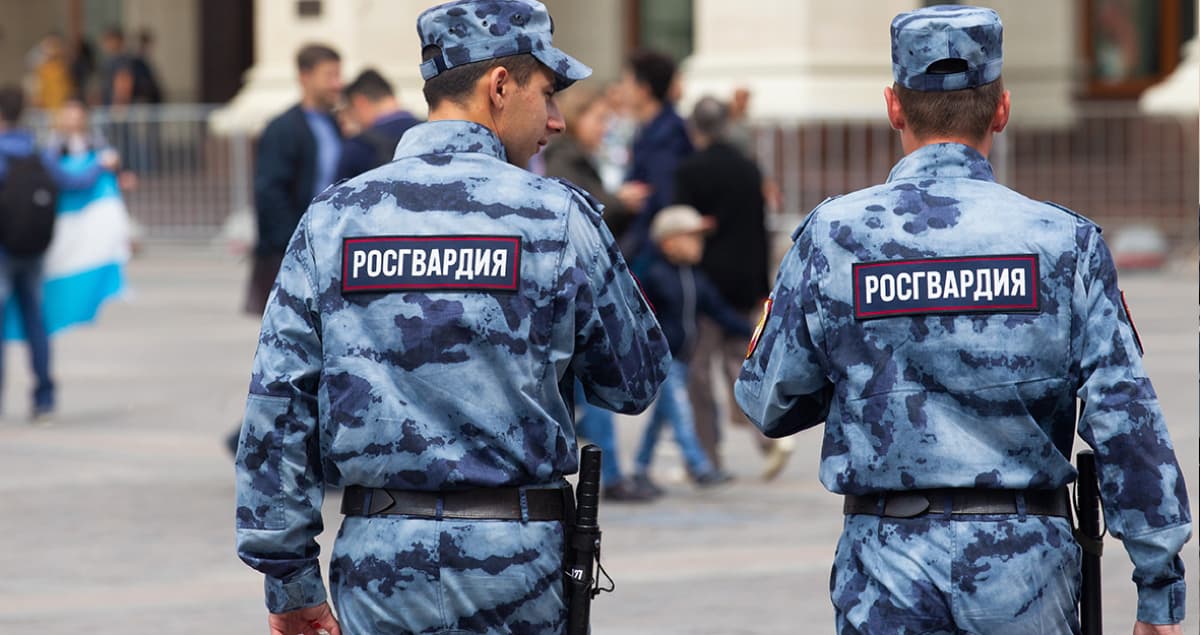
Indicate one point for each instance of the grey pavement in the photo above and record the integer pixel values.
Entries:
(118, 518)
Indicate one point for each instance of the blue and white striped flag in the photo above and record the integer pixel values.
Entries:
(84, 264)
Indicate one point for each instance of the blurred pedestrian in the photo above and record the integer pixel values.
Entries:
(421, 348)
(30, 183)
(680, 293)
(373, 108)
(571, 156)
(661, 142)
(116, 70)
(82, 67)
(297, 159)
(725, 185)
(146, 87)
(53, 85)
(954, 337)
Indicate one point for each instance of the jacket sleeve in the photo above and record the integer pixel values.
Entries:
(275, 172)
(279, 479)
(71, 180)
(1141, 485)
(783, 387)
(621, 355)
(713, 305)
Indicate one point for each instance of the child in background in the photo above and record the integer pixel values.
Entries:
(679, 292)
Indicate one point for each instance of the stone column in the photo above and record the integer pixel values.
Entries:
(365, 33)
(1179, 93)
(811, 59)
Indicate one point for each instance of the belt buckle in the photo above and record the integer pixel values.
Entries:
(905, 505)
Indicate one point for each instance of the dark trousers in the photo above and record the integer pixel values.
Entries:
(713, 347)
(22, 280)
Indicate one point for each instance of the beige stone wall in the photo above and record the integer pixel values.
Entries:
(176, 52)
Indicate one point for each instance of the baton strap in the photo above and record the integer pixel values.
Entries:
(507, 503)
(913, 503)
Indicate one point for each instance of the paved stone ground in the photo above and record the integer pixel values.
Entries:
(119, 517)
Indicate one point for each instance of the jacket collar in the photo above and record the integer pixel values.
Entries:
(450, 137)
(943, 160)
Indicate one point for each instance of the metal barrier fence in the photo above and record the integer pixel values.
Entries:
(1113, 164)
(189, 181)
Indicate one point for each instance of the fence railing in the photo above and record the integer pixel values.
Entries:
(1112, 164)
(189, 180)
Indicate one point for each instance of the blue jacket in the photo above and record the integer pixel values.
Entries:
(942, 326)
(284, 174)
(656, 153)
(362, 152)
(20, 143)
(679, 294)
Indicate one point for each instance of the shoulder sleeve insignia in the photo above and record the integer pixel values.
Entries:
(758, 328)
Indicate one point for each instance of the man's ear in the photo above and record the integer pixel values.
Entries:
(499, 82)
(1003, 110)
(895, 114)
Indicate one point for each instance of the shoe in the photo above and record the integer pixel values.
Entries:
(626, 491)
(42, 416)
(777, 458)
(643, 483)
(713, 478)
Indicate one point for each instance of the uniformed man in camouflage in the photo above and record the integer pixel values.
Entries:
(942, 327)
(420, 350)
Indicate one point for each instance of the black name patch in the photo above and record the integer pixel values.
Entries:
(966, 284)
(378, 264)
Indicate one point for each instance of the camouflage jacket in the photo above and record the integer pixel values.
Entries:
(425, 332)
(942, 327)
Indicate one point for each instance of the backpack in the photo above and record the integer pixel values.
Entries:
(28, 207)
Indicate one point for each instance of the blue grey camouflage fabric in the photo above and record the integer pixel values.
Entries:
(980, 574)
(475, 30)
(456, 374)
(965, 378)
(920, 38)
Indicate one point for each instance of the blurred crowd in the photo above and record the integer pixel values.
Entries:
(682, 196)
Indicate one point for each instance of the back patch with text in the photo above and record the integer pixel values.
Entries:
(378, 264)
(963, 284)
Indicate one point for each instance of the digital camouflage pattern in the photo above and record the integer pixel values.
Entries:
(436, 389)
(932, 34)
(476, 30)
(971, 399)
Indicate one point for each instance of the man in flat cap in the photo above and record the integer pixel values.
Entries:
(942, 326)
(421, 348)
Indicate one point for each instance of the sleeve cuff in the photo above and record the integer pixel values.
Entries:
(1162, 605)
(303, 589)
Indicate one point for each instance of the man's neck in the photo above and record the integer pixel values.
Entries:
(982, 146)
(309, 102)
(648, 111)
(450, 111)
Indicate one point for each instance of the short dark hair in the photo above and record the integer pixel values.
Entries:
(312, 54)
(457, 83)
(115, 33)
(963, 113)
(654, 69)
(12, 103)
(370, 84)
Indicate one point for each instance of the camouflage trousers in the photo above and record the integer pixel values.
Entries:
(984, 575)
(396, 575)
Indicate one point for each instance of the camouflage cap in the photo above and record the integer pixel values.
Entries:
(475, 30)
(967, 39)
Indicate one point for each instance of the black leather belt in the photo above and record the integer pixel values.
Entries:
(913, 503)
(508, 503)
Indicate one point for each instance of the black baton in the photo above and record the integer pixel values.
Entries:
(1091, 538)
(584, 549)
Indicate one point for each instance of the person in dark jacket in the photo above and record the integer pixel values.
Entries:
(372, 106)
(298, 155)
(570, 156)
(679, 293)
(722, 183)
(661, 142)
